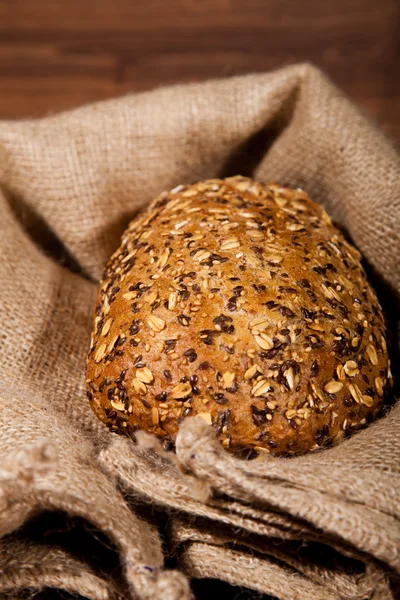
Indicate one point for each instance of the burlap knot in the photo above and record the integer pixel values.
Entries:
(94, 514)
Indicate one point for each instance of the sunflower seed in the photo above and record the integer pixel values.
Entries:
(316, 391)
(251, 372)
(155, 323)
(164, 258)
(242, 186)
(379, 385)
(202, 255)
(154, 415)
(350, 368)
(100, 353)
(182, 390)
(260, 388)
(274, 258)
(106, 327)
(144, 375)
(172, 300)
(128, 257)
(296, 227)
(341, 372)
(290, 378)
(371, 353)
(367, 400)
(252, 261)
(315, 327)
(333, 387)
(259, 324)
(255, 235)
(228, 378)
(289, 414)
(330, 293)
(190, 192)
(230, 243)
(356, 393)
(112, 343)
(129, 295)
(139, 387)
(118, 405)
(264, 341)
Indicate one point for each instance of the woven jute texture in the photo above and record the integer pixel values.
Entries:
(325, 525)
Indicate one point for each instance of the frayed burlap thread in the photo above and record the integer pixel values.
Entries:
(322, 505)
(69, 184)
(49, 465)
(154, 477)
(260, 522)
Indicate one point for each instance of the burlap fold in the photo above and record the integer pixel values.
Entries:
(325, 525)
(26, 566)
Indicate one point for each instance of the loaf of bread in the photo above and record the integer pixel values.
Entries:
(241, 303)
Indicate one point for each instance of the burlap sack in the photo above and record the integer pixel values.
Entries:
(321, 526)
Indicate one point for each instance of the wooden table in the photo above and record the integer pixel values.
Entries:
(55, 54)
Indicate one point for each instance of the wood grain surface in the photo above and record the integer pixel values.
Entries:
(56, 54)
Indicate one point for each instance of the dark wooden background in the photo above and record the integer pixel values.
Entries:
(55, 54)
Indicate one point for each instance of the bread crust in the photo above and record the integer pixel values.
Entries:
(242, 303)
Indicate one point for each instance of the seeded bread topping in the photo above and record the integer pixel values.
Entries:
(241, 303)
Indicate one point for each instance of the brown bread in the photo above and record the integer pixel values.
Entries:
(239, 302)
